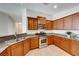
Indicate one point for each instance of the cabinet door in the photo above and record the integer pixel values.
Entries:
(41, 20)
(57, 41)
(17, 49)
(26, 45)
(76, 21)
(54, 25)
(68, 23)
(48, 25)
(60, 24)
(65, 44)
(6, 52)
(50, 39)
(32, 23)
(34, 42)
(75, 48)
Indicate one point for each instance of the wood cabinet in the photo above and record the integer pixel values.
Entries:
(66, 45)
(41, 20)
(26, 45)
(48, 25)
(54, 25)
(68, 23)
(75, 21)
(34, 42)
(32, 23)
(63, 43)
(6, 52)
(60, 24)
(50, 39)
(17, 49)
(57, 41)
(75, 48)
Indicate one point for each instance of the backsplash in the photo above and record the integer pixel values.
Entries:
(53, 31)
(64, 31)
(10, 37)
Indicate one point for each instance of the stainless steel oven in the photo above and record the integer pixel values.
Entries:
(43, 41)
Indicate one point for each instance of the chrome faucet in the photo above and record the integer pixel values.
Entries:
(16, 38)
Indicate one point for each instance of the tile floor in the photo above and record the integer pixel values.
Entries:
(50, 50)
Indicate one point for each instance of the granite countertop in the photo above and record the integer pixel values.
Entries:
(8, 43)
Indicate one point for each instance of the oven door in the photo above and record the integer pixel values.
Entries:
(42, 41)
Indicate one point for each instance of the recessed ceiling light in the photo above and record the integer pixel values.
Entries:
(55, 6)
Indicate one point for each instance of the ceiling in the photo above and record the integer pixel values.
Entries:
(49, 7)
(41, 7)
(15, 9)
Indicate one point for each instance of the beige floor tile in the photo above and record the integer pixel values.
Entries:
(50, 50)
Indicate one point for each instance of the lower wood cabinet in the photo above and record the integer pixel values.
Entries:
(6, 52)
(34, 42)
(21, 48)
(75, 47)
(57, 41)
(63, 43)
(50, 39)
(66, 44)
(17, 49)
(26, 46)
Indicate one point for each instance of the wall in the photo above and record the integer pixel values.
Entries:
(38, 13)
(6, 25)
(65, 13)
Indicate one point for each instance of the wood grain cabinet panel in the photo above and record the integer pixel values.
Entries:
(41, 20)
(6, 52)
(54, 25)
(75, 48)
(57, 41)
(68, 23)
(75, 21)
(17, 49)
(32, 23)
(26, 46)
(34, 42)
(50, 39)
(48, 25)
(66, 44)
(60, 24)
(63, 43)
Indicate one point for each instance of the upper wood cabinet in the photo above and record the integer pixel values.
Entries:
(32, 23)
(60, 24)
(48, 25)
(54, 25)
(68, 23)
(34, 42)
(41, 20)
(75, 21)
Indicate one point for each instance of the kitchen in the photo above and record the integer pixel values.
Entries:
(48, 29)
